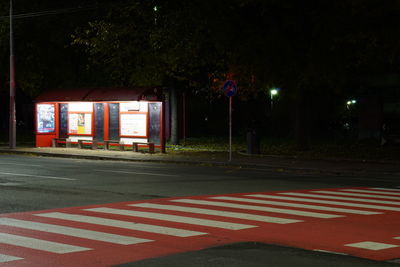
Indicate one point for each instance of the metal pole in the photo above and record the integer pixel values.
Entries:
(272, 102)
(184, 118)
(12, 125)
(230, 128)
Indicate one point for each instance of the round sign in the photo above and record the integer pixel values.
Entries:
(230, 88)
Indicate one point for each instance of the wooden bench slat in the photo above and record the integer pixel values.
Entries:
(56, 141)
(92, 142)
(108, 142)
(135, 146)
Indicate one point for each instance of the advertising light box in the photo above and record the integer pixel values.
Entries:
(80, 107)
(80, 123)
(45, 118)
(134, 124)
(129, 106)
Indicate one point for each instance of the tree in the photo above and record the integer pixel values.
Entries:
(313, 50)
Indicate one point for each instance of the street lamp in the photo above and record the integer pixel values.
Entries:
(12, 122)
(273, 92)
(350, 103)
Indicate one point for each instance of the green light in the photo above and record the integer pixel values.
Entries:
(155, 8)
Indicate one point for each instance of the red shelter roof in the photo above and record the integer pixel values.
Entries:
(100, 94)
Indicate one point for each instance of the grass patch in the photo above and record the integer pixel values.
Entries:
(278, 147)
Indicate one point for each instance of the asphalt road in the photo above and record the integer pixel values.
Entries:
(38, 183)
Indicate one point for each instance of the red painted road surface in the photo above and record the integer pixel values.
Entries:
(362, 222)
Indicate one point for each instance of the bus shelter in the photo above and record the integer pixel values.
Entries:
(126, 116)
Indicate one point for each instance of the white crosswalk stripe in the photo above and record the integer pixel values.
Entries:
(305, 206)
(354, 194)
(7, 258)
(330, 202)
(342, 198)
(371, 245)
(61, 232)
(371, 191)
(174, 218)
(39, 244)
(237, 215)
(259, 208)
(122, 224)
(70, 231)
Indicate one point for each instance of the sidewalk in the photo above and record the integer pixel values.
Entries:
(239, 160)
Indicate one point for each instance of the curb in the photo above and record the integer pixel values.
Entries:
(93, 157)
(267, 167)
(356, 160)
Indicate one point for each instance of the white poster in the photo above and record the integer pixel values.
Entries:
(80, 123)
(129, 106)
(134, 124)
(73, 123)
(80, 107)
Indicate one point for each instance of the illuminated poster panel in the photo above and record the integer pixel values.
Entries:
(129, 106)
(80, 107)
(134, 124)
(80, 123)
(45, 118)
(80, 118)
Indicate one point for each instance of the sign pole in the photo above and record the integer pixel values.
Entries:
(12, 122)
(230, 128)
(230, 89)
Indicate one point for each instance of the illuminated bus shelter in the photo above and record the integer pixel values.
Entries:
(119, 115)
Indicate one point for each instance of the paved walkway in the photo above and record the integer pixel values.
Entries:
(240, 160)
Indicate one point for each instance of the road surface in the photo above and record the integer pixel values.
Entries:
(100, 213)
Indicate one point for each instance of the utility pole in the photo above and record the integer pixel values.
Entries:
(12, 125)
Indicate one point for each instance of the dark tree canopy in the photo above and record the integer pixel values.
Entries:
(316, 51)
(260, 43)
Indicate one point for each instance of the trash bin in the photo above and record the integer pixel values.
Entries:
(253, 142)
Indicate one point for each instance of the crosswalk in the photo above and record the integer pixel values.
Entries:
(358, 221)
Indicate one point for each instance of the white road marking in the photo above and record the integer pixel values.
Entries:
(121, 224)
(355, 194)
(371, 191)
(174, 218)
(20, 164)
(238, 215)
(313, 207)
(342, 198)
(371, 245)
(140, 173)
(7, 258)
(320, 201)
(259, 208)
(39, 244)
(386, 189)
(38, 176)
(70, 231)
(10, 184)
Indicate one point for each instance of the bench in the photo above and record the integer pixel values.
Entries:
(108, 142)
(55, 142)
(135, 146)
(93, 143)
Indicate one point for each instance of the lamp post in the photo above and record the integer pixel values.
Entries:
(273, 92)
(12, 122)
(351, 102)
